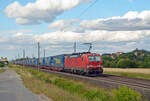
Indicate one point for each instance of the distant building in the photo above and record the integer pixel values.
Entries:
(143, 54)
(113, 56)
(119, 53)
(136, 52)
(4, 60)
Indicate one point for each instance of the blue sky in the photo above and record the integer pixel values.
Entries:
(112, 26)
(102, 9)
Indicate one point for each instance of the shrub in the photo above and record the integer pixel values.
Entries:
(113, 64)
(2, 64)
(126, 94)
(126, 63)
(147, 62)
(76, 88)
(97, 95)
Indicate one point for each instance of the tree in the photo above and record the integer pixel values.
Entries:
(106, 58)
(126, 63)
(140, 64)
(113, 64)
(106, 64)
(2, 64)
(147, 62)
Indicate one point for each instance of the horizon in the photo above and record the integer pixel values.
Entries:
(112, 26)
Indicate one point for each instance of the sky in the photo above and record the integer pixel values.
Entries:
(110, 25)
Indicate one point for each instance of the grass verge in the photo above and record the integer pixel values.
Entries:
(62, 89)
(132, 75)
(2, 70)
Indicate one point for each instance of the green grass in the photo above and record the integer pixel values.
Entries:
(126, 94)
(2, 70)
(2, 64)
(62, 89)
(132, 75)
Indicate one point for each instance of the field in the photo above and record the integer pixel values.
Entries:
(128, 72)
(62, 89)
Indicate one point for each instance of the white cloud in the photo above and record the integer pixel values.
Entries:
(25, 21)
(63, 25)
(7, 47)
(15, 31)
(20, 39)
(88, 36)
(61, 42)
(131, 21)
(91, 36)
(58, 37)
(40, 10)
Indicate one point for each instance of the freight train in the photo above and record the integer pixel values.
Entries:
(85, 63)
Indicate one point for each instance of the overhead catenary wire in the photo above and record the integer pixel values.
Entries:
(85, 10)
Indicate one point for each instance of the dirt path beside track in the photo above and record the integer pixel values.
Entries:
(12, 88)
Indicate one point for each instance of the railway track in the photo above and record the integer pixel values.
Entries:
(145, 84)
(110, 81)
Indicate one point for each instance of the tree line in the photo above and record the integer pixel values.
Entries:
(134, 59)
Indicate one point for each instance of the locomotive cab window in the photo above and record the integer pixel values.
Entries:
(94, 58)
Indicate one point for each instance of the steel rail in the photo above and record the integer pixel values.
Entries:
(105, 80)
(127, 80)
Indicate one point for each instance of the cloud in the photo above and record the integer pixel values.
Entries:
(40, 10)
(15, 31)
(63, 25)
(88, 36)
(131, 21)
(18, 39)
(58, 37)
(91, 36)
(61, 42)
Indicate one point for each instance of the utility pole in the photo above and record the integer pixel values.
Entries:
(23, 53)
(32, 55)
(18, 55)
(38, 56)
(75, 47)
(44, 53)
(23, 56)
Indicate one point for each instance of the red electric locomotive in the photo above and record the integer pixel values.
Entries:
(84, 63)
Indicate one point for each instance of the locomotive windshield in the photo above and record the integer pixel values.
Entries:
(94, 58)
